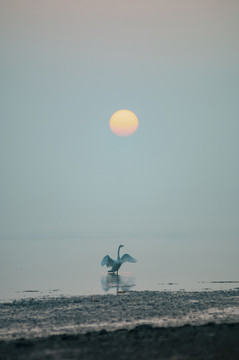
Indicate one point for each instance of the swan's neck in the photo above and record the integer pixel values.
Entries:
(118, 253)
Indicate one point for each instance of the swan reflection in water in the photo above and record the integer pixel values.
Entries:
(121, 283)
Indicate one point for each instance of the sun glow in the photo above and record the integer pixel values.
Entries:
(124, 123)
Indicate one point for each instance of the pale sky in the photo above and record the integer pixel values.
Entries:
(67, 66)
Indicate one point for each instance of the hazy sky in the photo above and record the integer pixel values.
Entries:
(67, 66)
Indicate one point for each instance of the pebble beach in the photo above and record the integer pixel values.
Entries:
(128, 325)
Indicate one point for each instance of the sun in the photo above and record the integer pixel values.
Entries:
(124, 123)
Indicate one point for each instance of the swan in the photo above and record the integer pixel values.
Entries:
(116, 264)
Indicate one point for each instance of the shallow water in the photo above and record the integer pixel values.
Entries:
(54, 266)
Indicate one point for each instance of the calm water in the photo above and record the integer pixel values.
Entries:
(33, 267)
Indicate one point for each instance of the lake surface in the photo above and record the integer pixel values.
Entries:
(55, 266)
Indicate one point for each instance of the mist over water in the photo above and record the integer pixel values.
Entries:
(53, 266)
(168, 193)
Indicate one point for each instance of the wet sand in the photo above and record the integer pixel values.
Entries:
(135, 325)
(143, 342)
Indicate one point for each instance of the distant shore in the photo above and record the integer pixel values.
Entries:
(188, 342)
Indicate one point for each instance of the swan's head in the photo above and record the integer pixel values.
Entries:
(121, 246)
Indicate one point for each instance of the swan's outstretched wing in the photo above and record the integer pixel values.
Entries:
(107, 261)
(127, 257)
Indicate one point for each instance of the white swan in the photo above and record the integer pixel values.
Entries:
(116, 264)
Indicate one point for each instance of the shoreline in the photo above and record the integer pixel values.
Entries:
(211, 341)
(131, 325)
(79, 314)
